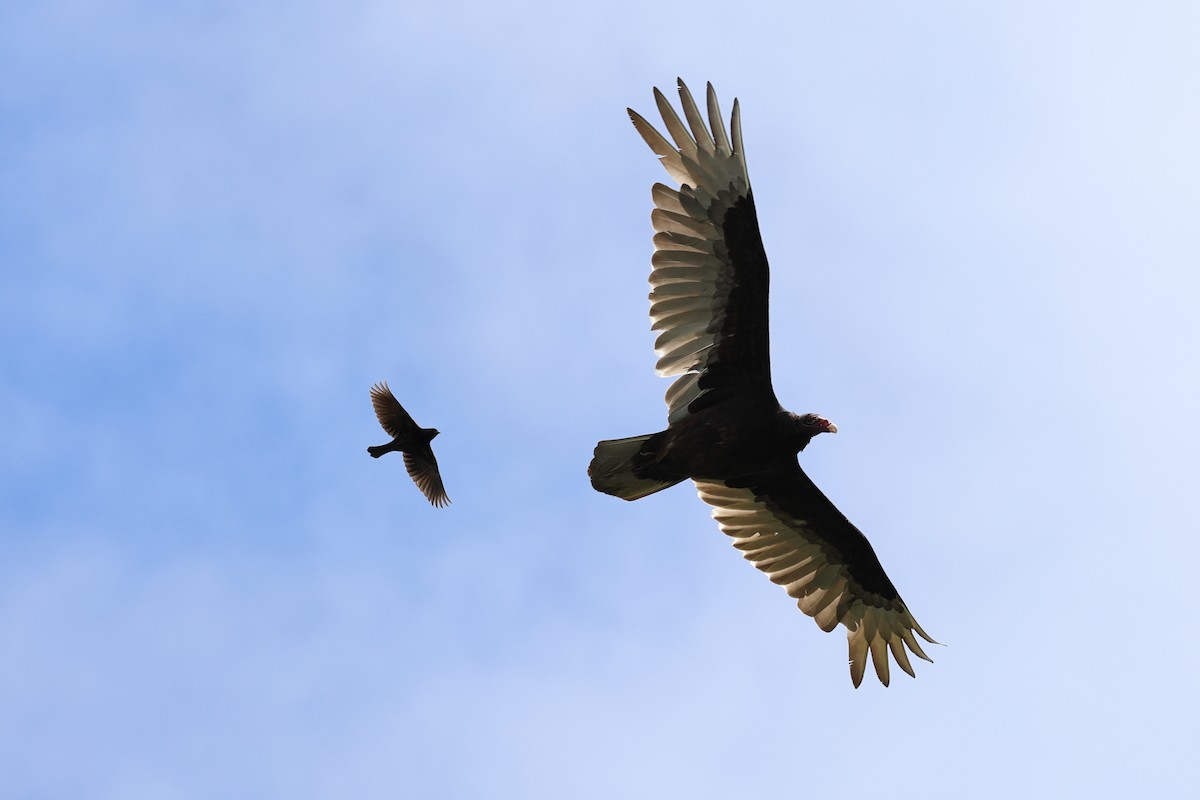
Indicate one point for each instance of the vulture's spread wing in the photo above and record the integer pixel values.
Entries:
(423, 469)
(783, 524)
(708, 298)
(392, 416)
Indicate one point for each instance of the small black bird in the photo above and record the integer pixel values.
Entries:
(410, 439)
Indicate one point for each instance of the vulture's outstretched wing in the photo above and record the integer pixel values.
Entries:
(783, 524)
(423, 469)
(391, 415)
(708, 300)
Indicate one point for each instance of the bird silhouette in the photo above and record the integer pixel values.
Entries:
(410, 439)
(726, 429)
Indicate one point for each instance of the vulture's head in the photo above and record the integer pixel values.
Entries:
(809, 425)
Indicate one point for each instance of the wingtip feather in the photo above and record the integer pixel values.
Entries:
(858, 656)
(691, 111)
(717, 123)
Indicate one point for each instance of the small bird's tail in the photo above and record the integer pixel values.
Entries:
(377, 450)
(613, 468)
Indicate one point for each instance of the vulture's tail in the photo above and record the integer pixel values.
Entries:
(613, 468)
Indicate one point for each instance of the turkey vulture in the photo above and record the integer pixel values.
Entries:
(411, 440)
(726, 430)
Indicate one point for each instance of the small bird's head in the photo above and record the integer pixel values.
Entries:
(809, 425)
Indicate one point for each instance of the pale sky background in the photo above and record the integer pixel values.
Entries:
(221, 222)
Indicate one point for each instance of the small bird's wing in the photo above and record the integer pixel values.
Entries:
(423, 469)
(783, 524)
(392, 416)
(709, 282)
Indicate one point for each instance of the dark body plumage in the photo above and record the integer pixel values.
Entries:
(410, 439)
(726, 429)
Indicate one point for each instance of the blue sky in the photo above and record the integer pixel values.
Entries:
(221, 223)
